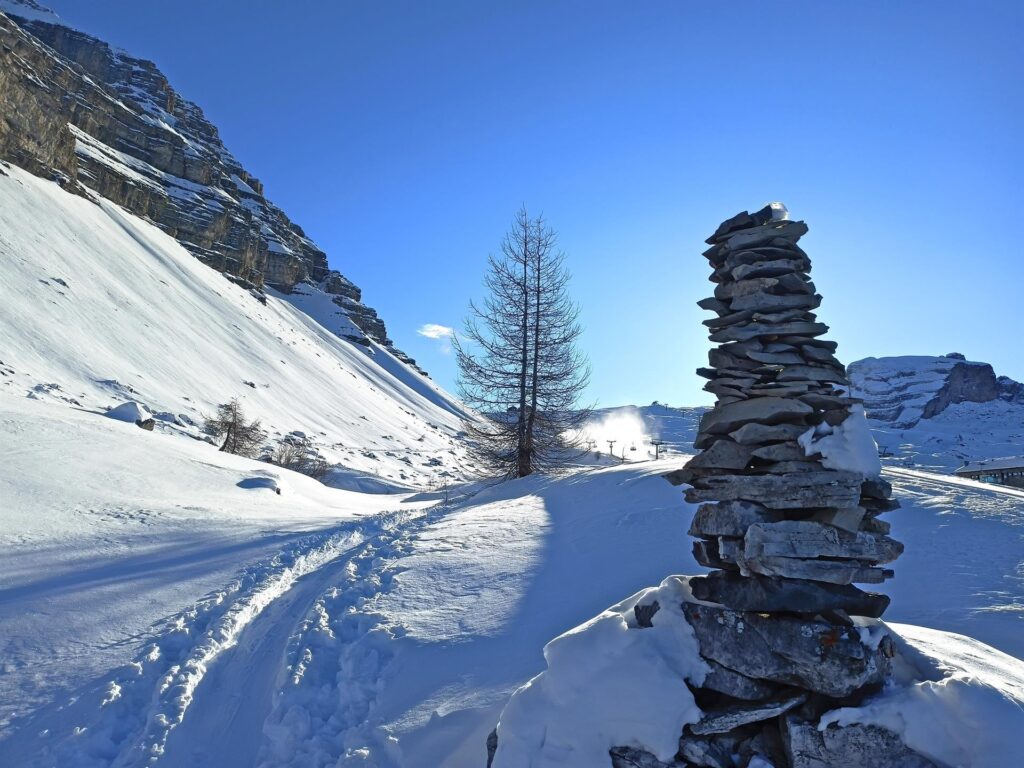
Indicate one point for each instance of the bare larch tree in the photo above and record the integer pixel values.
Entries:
(518, 361)
(241, 437)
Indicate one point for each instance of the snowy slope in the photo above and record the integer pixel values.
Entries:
(228, 626)
(459, 622)
(111, 536)
(961, 433)
(98, 307)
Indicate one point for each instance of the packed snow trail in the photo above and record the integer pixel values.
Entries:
(238, 633)
(223, 726)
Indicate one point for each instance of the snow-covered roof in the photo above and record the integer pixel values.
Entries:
(1010, 462)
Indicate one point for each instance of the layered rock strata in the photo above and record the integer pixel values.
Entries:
(789, 493)
(92, 117)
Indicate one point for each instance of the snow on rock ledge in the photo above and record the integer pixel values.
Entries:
(608, 683)
(848, 446)
(952, 700)
(131, 412)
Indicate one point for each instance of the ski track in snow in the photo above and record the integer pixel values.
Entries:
(337, 662)
(201, 693)
(213, 668)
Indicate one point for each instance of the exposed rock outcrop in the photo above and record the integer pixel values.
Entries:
(76, 110)
(900, 391)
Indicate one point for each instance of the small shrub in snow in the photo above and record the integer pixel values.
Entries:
(301, 454)
(240, 437)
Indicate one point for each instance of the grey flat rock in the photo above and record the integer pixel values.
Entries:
(812, 655)
(755, 330)
(770, 302)
(724, 680)
(810, 539)
(764, 410)
(854, 746)
(758, 434)
(765, 594)
(785, 231)
(789, 491)
(831, 571)
(730, 518)
(725, 720)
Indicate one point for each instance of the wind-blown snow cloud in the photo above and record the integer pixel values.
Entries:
(441, 333)
(625, 427)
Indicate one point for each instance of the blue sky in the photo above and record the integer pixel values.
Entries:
(403, 136)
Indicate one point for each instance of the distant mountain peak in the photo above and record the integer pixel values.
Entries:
(903, 390)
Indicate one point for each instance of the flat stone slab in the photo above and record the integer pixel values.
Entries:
(848, 518)
(714, 752)
(759, 434)
(788, 491)
(831, 571)
(763, 410)
(723, 454)
(776, 358)
(854, 746)
(809, 539)
(725, 720)
(766, 594)
(731, 290)
(757, 330)
(813, 655)
(781, 452)
(725, 680)
(730, 518)
(772, 268)
(783, 231)
(770, 302)
(733, 259)
(813, 373)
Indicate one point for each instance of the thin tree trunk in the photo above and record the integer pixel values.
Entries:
(524, 467)
(536, 344)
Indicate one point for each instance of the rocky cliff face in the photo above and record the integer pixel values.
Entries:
(903, 390)
(89, 116)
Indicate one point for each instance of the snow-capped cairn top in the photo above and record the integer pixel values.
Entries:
(788, 473)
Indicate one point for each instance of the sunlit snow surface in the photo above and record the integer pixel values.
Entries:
(159, 599)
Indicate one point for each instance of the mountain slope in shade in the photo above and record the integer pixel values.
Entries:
(91, 116)
(99, 307)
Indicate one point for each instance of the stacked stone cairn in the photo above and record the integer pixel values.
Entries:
(786, 532)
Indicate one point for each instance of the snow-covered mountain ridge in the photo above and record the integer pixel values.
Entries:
(89, 115)
(99, 307)
(903, 390)
(938, 413)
